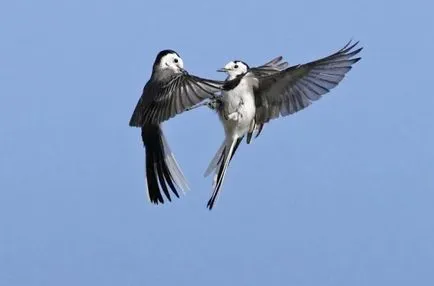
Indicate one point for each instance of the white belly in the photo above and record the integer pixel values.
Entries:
(239, 99)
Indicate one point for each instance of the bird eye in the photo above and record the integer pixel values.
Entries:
(175, 60)
(235, 66)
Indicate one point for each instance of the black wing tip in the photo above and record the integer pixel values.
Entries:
(356, 60)
(350, 46)
(348, 52)
(353, 53)
(132, 123)
(135, 121)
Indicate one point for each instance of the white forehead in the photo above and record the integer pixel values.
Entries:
(231, 64)
(170, 57)
(171, 60)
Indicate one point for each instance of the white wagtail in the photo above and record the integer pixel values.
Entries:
(251, 98)
(169, 91)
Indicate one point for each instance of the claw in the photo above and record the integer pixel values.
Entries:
(213, 104)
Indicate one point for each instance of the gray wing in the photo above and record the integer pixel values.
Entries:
(294, 88)
(272, 67)
(160, 102)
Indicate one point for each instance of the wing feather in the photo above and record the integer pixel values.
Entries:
(160, 102)
(296, 87)
(272, 67)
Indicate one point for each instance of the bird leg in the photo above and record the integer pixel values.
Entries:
(213, 103)
(196, 106)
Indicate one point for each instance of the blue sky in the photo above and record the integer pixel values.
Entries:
(338, 194)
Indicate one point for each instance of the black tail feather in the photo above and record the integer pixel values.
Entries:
(222, 171)
(237, 144)
(158, 174)
(154, 196)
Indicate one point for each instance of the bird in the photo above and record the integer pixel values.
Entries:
(170, 91)
(273, 66)
(251, 97)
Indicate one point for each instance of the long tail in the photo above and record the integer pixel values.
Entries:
(216, 160)
(223, 157)
(162, 170)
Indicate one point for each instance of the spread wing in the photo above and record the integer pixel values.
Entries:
(272, 67)
(293, 89)
(162, 101)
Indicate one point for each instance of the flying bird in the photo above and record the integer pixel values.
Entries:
(170, 91)
(252, 97)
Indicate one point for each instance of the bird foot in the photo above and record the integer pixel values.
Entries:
(214, 103)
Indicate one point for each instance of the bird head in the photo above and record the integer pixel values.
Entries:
(234, 68)
(169, 60)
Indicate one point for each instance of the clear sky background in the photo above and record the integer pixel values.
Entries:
(341, 193)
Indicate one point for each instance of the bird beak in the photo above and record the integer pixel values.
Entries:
(222, 70)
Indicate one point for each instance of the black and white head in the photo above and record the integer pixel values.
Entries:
(168, 60)
(235, 68)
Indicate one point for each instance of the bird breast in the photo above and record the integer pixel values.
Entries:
(238, 100)
(240, 96)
